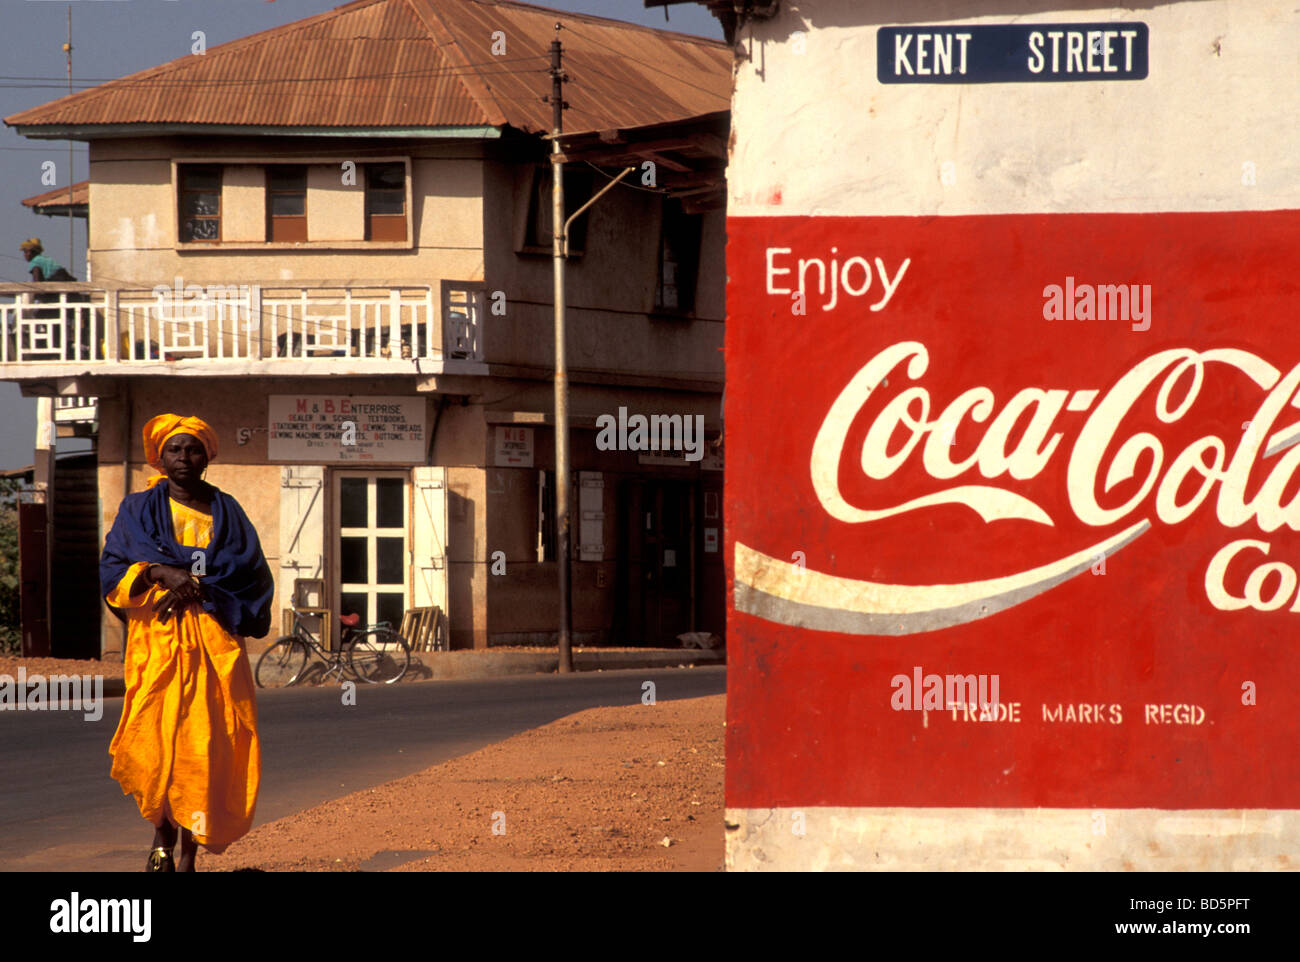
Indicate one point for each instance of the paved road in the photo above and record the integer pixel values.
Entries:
(61, 810)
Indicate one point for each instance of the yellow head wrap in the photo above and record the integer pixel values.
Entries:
(32, 243)
(165, 426)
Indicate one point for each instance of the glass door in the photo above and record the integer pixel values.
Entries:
(371, 525)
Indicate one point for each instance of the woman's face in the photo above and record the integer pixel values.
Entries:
(184, 458)
(28, 253)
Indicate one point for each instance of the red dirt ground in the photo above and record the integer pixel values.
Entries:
(9, 665)
(600, 790)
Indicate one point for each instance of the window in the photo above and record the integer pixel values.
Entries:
(539, 235)
(462, 314)
(385, 202)
(679, 259)
(200, 200)
(286, 203)
(586, 517)
(249, 204)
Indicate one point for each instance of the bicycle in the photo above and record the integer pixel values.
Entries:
(374, 654)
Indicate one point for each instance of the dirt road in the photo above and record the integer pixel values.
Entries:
(601, 790)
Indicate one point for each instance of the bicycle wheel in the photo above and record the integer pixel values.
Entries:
(379, 656)
(282, 664)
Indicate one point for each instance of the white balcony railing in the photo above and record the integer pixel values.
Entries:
(61, 325)
(78, 323)
(75, 410)
(211, 323)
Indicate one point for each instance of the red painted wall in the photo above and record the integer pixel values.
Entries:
(809, 716)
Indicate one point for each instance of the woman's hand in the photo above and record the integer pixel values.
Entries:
(182, 590)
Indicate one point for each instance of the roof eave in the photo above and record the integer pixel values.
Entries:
(90, 132)
(61, 210)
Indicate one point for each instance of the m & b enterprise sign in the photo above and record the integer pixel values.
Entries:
(1020, 53)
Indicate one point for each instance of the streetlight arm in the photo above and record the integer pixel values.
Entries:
(581, 210)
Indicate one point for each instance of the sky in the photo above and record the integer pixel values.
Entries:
(112, 38)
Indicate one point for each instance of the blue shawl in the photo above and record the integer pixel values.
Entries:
(237, 585)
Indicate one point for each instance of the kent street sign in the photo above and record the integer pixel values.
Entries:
(1011, 53)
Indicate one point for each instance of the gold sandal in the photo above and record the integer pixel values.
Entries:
(160, 860)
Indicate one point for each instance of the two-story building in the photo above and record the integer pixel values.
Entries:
(332, 240)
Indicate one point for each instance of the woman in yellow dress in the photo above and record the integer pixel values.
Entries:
(183, 567)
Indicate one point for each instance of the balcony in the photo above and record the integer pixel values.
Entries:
(71, 410)
(76, 417)
(65, 329)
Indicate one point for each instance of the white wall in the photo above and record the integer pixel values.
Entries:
(816, 134)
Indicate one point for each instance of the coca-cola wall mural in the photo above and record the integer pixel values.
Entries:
(1013, 443)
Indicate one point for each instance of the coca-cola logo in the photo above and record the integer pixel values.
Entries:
(1115, 476)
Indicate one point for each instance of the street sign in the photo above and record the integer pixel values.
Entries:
(1011, 53)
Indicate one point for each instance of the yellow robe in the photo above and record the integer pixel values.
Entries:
(187, 745)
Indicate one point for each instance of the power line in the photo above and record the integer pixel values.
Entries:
(625, 56)
(624, 183)
(91, 83)
(290, 91)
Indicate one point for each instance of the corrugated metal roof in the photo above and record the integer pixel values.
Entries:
(417, 63)
(59, 197)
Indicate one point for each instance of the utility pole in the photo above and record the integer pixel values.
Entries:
(72, 244)
(562, 519)
(559, 252)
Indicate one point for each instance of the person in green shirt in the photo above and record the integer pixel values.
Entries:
(43, 266)
(46, 268)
